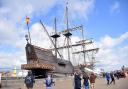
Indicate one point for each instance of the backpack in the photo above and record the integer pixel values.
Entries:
(49, 83)
(28, 80)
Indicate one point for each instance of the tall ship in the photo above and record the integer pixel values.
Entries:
(42, 61)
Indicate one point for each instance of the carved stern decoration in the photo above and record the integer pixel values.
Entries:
(42, 61)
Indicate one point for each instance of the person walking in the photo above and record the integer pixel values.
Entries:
(112, 78)
(49, 82)
(77, 80)
(0, 80)
(92, 80)
(29, 80)
(107, 75)
(86, 81)
(117, 74)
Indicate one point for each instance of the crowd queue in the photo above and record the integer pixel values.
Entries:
(88, 81)
(82, 80)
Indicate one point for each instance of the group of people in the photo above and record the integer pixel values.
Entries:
(88, 81)
(110, 76)
(30, 80)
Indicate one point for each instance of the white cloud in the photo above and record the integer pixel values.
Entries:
(115, 7)
(12, 59)
(16, 12)
(80, 8)
(39, 36)
(109, 42)
(110, 55)
(12, 15)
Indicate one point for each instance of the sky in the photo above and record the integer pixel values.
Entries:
(105, 21)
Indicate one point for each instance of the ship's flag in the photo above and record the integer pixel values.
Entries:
(27, 20)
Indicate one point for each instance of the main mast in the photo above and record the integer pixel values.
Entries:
(68, 34)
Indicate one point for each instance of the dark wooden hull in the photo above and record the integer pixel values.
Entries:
(42, 61)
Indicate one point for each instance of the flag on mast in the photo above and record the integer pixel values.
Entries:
(27, 20)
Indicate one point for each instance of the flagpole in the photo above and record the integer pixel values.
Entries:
(29, 33)
(27, 21)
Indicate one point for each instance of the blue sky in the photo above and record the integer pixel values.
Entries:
(101, 20)
(105, 21)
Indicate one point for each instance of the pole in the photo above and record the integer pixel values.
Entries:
(68, 48)
(29, 33)
(83, 45)
(68, 31)
(67, 16)
(55, 39)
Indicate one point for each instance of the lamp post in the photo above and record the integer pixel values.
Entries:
(26, 36)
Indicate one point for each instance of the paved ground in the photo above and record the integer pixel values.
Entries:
(65, 83)
(120, 84)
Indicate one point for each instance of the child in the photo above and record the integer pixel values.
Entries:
(49, 82)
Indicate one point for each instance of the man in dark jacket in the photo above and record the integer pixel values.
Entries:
(29, 80)
(77, 80)
(112, 78)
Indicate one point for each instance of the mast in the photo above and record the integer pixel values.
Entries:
(55, 39)
(68, 34)
(55, 36)
(83, 45)
(67, 16)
